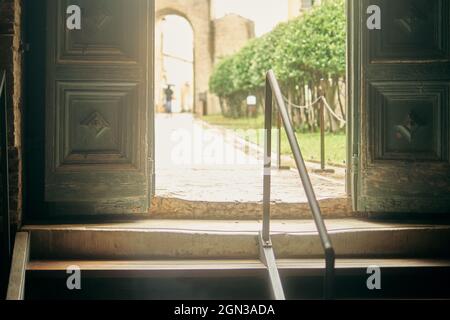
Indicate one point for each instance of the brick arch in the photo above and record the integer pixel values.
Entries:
(198, 14)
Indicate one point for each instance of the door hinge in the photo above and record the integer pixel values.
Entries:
(151, 164)
(355, 176)
(355, 164)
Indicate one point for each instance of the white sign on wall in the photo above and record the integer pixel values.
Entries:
(251, 101)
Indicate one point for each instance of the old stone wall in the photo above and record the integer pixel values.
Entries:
(231, 33)
(11, 62)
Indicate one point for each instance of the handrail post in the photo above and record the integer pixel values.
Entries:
(273, 87)
(322, 135)
(5, 249)
(328, 285)
(322, 107)
(17, 276)
(267, 162)
(265, 244)
(279, 141)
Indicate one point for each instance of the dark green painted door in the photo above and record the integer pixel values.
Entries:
(401, 100)
(98, 95)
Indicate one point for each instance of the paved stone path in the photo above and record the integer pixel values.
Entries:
(196, 162)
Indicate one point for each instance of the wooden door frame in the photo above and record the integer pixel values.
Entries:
(354, 103)
(34, 28)
(151, 97)
(34, 71)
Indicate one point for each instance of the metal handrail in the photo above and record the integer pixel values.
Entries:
(2, 82)
(273, 88)
(4, 184)
(4, 164)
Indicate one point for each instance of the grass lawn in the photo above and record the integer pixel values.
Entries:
(335, 144)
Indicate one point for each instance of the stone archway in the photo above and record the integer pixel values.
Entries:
(198, 14)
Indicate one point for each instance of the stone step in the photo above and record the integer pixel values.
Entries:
(208, 268)
(189, 239)
(235, 279)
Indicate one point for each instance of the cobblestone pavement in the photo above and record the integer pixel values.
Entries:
(197, 162)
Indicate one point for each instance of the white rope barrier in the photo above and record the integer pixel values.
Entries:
(310, 107)
(307, 107)
(332, 112)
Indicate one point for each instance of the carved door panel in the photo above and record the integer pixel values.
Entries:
(401, 80)
(97, 109)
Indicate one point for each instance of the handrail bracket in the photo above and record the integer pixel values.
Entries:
(267, 257)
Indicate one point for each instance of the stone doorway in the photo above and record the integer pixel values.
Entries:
(195, 175)
(174, 65)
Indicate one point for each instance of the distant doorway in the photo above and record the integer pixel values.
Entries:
(174, 64)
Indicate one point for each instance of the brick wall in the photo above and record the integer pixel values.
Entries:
(11, 61)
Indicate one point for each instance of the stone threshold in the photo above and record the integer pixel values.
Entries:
(190, 239)
(176, 208)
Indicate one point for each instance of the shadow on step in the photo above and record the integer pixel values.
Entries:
(397, 284)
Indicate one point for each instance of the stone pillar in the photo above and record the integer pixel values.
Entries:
(11, 62)
(159, 67)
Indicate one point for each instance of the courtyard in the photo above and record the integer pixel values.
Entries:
(204, 171)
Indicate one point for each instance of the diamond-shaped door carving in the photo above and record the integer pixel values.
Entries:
(97, 19)
(97, 123)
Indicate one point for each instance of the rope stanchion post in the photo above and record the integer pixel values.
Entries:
(322, 105)
(322, 135)
(279, 141)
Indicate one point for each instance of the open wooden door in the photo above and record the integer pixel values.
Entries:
(98, 108)
(400, 79)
